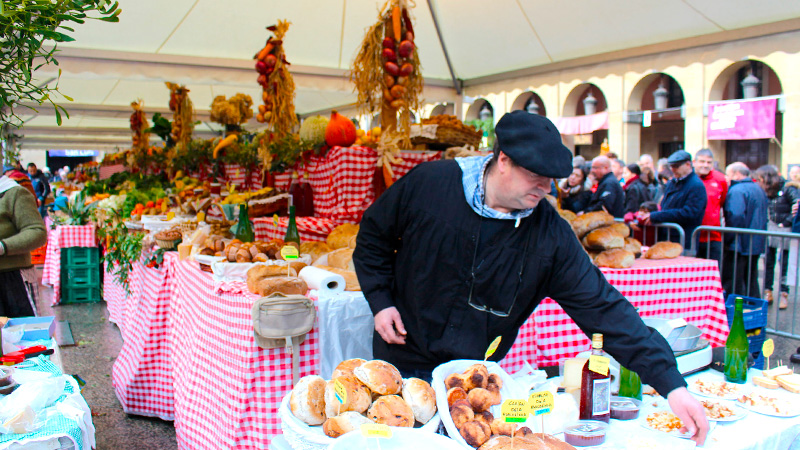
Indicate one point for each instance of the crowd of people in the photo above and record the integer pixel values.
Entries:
(694, 192)
(34, 180)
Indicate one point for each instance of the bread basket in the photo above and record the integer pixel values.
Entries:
(167, 243)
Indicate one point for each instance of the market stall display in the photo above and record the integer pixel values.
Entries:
(65, 236)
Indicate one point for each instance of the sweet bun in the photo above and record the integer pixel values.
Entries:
(421, 397)
(633, 246)
(455, 394)
(345, 368)
(494, 391)
(315, 249)
(461, 412)
(380, 377)
(342, 259)
(476, 376)
(585, 223)
(615, 259)
(495, 379)
(391, 410)
(501, 427)
(603, 239)
(308, 400)
(358, 397)
(664, 250)
(475, 432)
(344, 423)
(480, 399)
(486, 417)
(455, 380)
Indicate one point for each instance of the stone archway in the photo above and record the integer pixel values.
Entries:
(523, 101)
(586, 145)
(666, 131)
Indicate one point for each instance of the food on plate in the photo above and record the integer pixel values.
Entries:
(455, 394)
(421, 397)
(664, 421)
(615, 259)
(789, 382)
(281, 285)
(308, 400)
(585, 223)
(771, 405)
(585, 433)
(341, 259)
(340, 236)
(604, 238)
(350, 278)
(344, 423)
(765, 382)
(358, 397)
(391, 410)
(716, 388)
(776, 371)
(715, 410)
(475, 432)
(664, 250)
(380, 377)
(634, 246)
(345, 368)
(315, 249)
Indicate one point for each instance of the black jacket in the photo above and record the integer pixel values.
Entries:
(684, 203)
(609, 195)
(780, 206)
(415, 251)
(636, 194)
(40, 185)
(577, 202)
(745, 207)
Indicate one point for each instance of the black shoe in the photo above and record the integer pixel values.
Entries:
(795, 359)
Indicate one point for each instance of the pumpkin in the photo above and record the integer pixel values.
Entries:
(341, 131)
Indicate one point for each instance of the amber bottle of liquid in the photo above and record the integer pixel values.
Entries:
(595, 387)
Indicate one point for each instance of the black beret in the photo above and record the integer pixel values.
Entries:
(533, 142)
(681, 156)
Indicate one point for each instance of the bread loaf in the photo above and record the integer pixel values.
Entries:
(585, 223)
(257, 273)
(664, 250)
(315, 249)
(603, 239)
(391, 410)
(358, 397)
(340, 236)
(421, 398)
(620, 228)
(345, 368)
(380, 377)
(342, 259)
(567, 215)
(615, 259)
(308, 400)
(282, 285)
(344, 423)
(633, 246)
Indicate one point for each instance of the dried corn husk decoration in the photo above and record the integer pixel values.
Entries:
(234, 111)
(277, 84)
(140, 138)
(389, 153)
(386, 72)
(182, 114)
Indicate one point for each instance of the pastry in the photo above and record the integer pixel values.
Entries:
(391, 410)
(308, 400)
(380, 377)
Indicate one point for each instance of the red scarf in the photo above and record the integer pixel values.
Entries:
(628, 183)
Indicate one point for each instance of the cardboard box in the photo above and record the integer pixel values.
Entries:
(35, 328)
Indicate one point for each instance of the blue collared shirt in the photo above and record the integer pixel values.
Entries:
(473, 178)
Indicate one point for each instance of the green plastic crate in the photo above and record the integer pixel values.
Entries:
(80, 256)
(80, 276)
(81, 295)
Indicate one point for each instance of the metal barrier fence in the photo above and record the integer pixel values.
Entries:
(741, 252)
(650, 234)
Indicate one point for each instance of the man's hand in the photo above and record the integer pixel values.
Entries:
(389, 325)
(691, 413)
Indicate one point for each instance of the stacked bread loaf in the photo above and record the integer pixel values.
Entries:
(607, 242)
(237, 251)
(268, 280)
(375, 393)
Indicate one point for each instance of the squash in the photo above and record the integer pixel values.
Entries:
(341, 131)
(313, 130)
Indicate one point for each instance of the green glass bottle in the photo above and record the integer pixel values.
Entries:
(737, 347)
(292, 235)
(630, 385)
(244, 230)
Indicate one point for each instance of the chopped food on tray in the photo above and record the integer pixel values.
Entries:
(664, 421)
(770, 404)
(716, 388)
(716, 410)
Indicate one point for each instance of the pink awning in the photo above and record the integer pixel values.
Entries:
(582, 124)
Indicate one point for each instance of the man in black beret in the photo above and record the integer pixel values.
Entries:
(458, 252)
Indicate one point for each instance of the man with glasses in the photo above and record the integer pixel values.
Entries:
(684, 200)
(459, 252)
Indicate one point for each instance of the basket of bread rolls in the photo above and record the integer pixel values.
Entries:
(312, 416)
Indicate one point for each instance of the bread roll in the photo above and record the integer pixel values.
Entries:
(603, 239)
(340, 236)
(230, 252)
(633, 246)
(308, 400)
(380, 377)
(345, 368)
(253, 252)
(283, 285)
(461, 412)
(421, 397)
(567, 215)
(481, 399)
(207, 251)
(358, 397)
(391, 410)
(455, 380)
(297, 266)
(486, 417)
(495, 379)
(494, 391)
(585, 223)
(475, 432)
(350, 279)
(455, 394)
(664, 250)
(499, 426)
(476, 376)
(615, 259)
(219, 245)
(315, 249)
(342, 259)
(344, 423)
(261, 257)
(620, 228)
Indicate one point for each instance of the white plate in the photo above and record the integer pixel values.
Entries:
(793, 411)
(740, 390)
(738, 412)
(207, 259)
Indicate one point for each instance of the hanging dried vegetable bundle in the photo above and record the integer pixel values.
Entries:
(234, 111)
(139, 126)
(183, 114)
(276, 83)
(387, 72)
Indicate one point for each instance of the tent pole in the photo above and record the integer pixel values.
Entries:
(456, 82)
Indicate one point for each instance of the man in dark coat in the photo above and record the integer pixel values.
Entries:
(40, 185)
(458, 252)
(609, 195)
(684, 199)
(745, 207)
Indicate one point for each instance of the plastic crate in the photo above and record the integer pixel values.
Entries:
(80, 276)
(755, 311)
(80, 256)
(81, 295)
(38, 255)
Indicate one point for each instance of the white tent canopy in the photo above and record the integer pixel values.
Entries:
(209, 44)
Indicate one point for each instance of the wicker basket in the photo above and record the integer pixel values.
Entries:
(167, 244)
(451, 136)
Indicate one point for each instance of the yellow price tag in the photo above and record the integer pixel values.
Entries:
(376, 430)
(201, 217)
(768, 348)
(541, 403)
(289, 252)
(598, 364)
(170, 215)
(492, 347)
(340, 391)
(515, 411)
(275, 220)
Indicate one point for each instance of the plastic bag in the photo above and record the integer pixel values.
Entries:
(20, 410)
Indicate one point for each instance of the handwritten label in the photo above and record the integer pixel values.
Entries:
(598, 364)
(201, 217)
(289, 252)
(514, 411)
(340, 391)
(541, 403)
(275, 220)
(492, 347)
(376, 430)
(768, 348)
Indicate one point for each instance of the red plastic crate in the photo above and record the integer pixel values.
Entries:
(37, 256)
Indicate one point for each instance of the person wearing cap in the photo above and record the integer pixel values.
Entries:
(684, 200)
(458, 252)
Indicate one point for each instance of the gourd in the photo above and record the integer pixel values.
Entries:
(341, 131)
(313, 130)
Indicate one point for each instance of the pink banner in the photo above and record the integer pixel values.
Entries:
(745, 119)
(582, 124)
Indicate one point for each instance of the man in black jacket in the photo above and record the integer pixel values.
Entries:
(41, 186)
(609, 195)
(459, 252)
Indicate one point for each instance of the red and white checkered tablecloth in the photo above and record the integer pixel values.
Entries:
(310, 228)
(237, 175)
(114, 295)
(63, 236)
(107, 171)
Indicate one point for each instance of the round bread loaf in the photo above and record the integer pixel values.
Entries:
(342, 259)
(315, 249)
(461, 412)
(476, 376)
(345, 368)
(585, 223)
(664, 250)
(455, 394)
(339, 237)
(615, 259)
(603, 239)
(358, 396)
(633, 246)
(344, 423)
(480, 399)
(475, 432)
(380, 377)
(308, 400)
(421, 397)
(620, 228)
(391, 410)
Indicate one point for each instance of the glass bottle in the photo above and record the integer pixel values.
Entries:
(244, 230)
(630, 385)
(295, 191)
(292, 235)
(595, 387)
(737, 347)
(307, 195)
